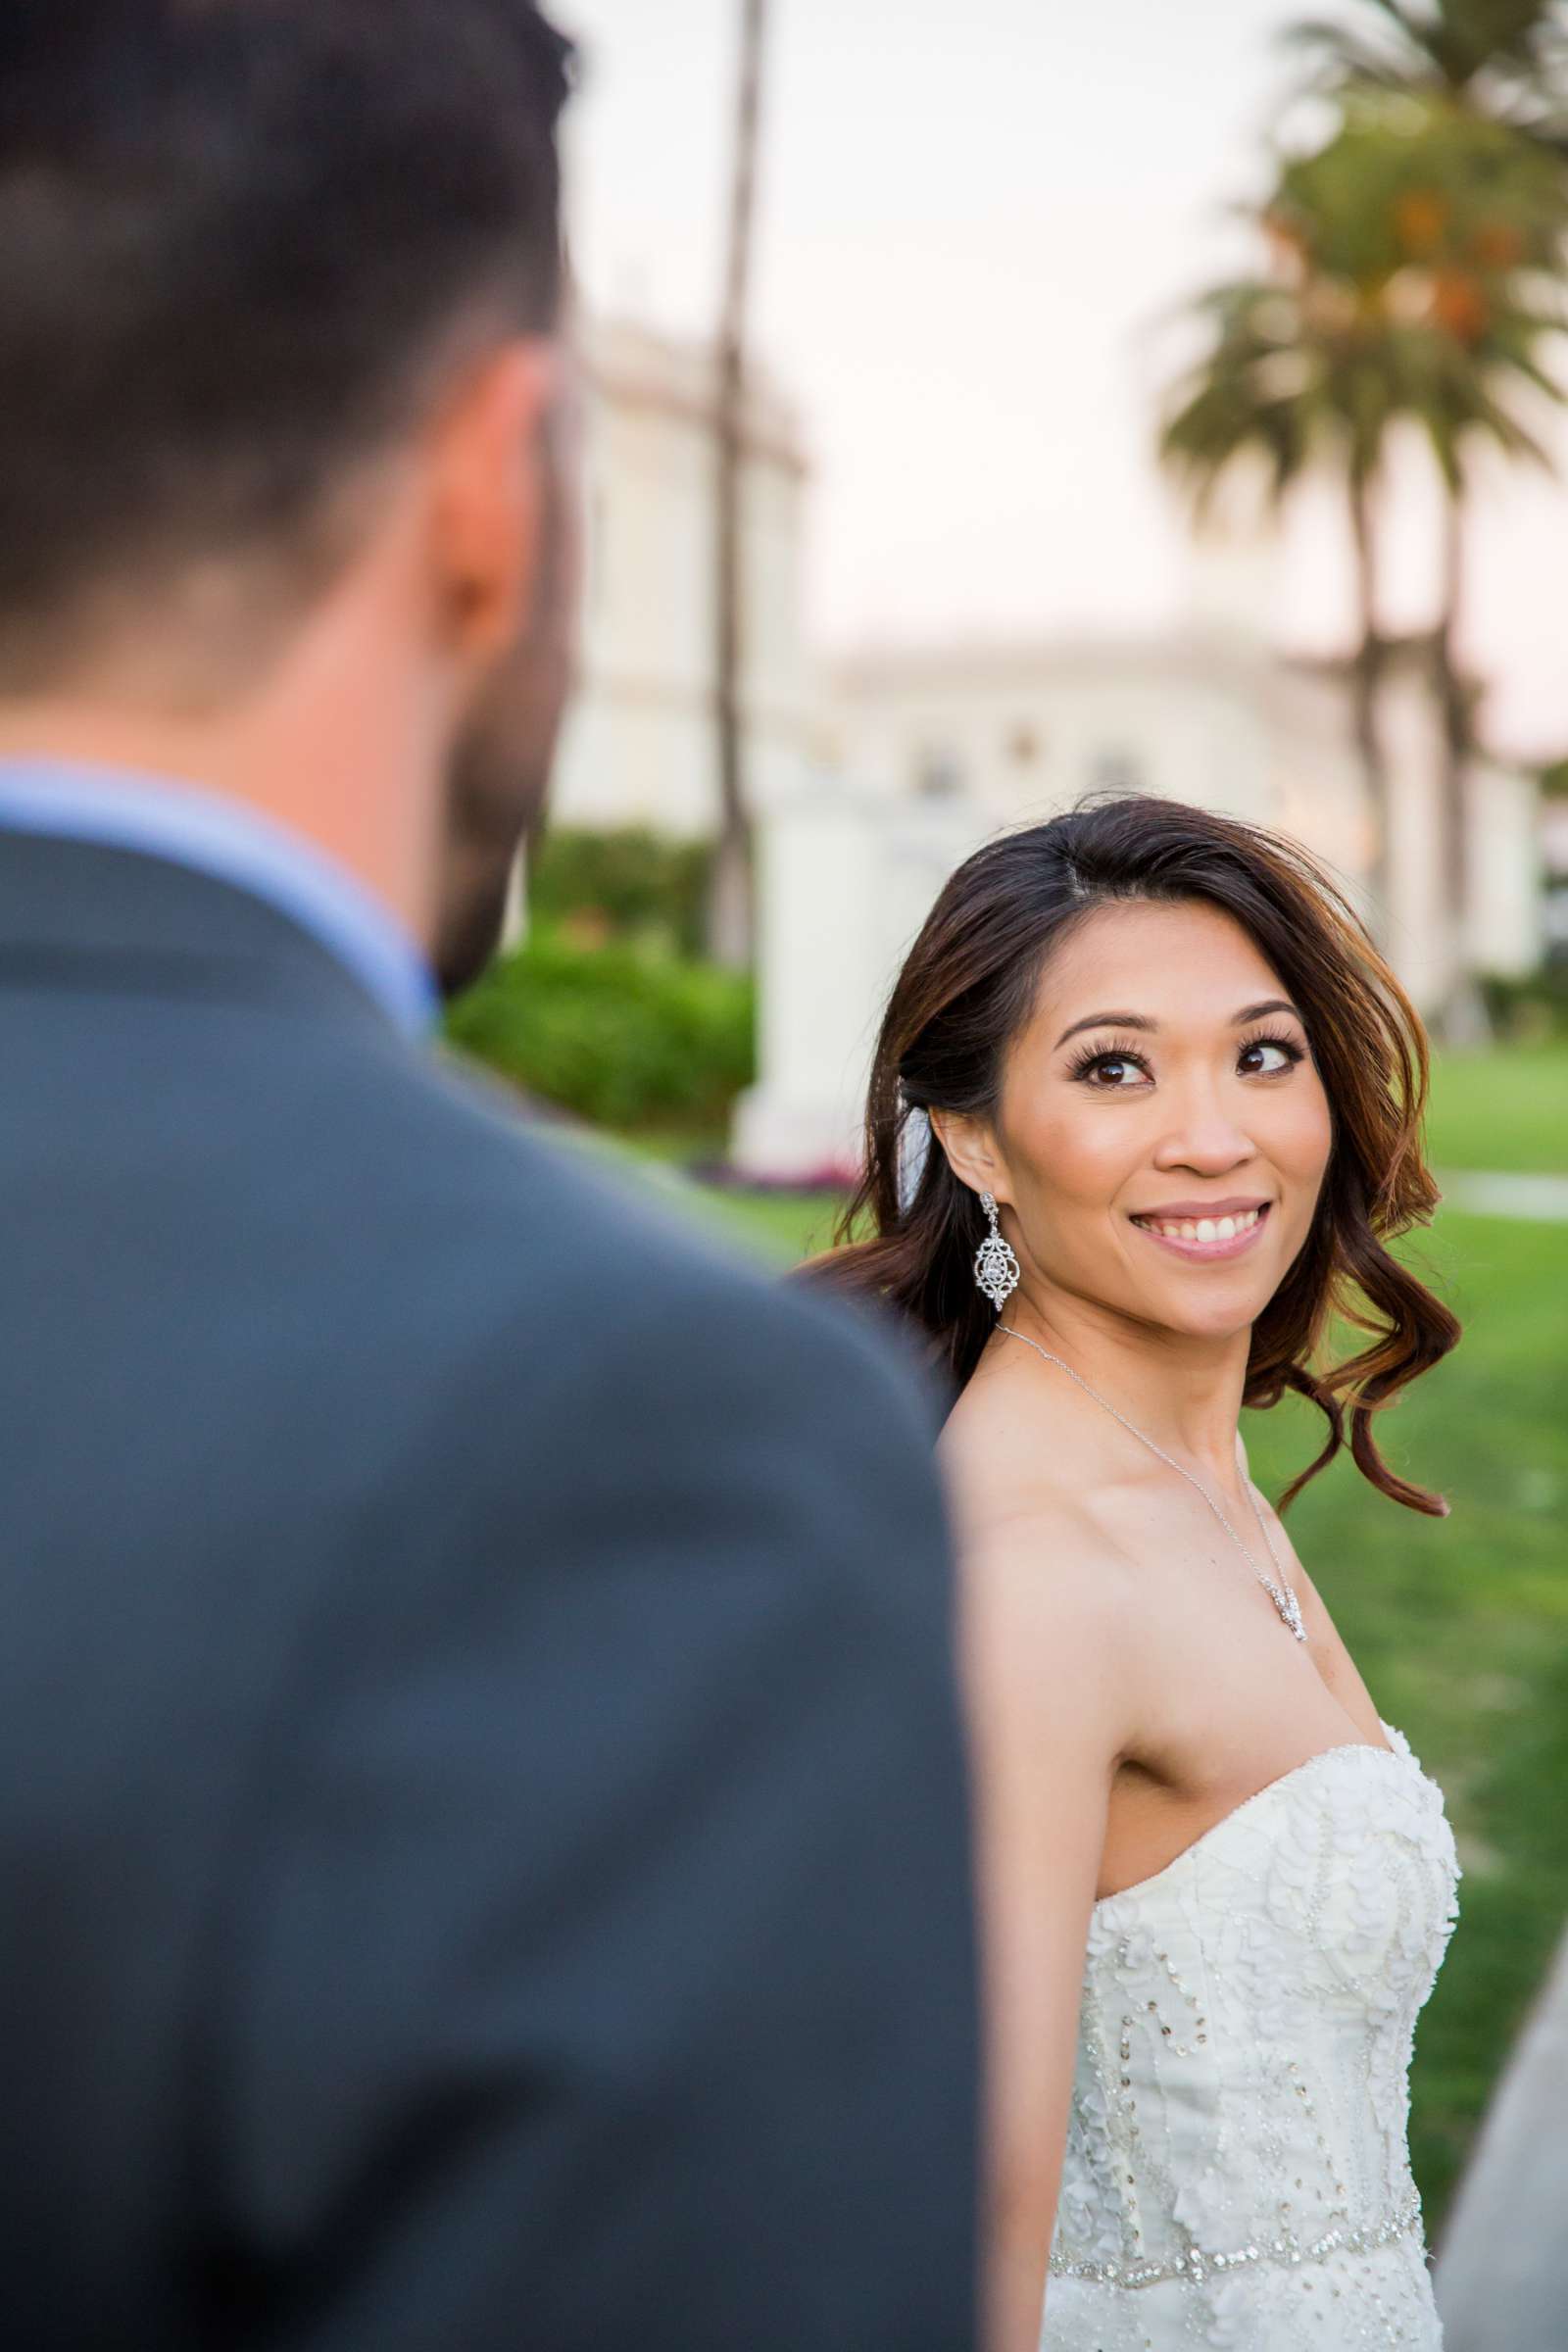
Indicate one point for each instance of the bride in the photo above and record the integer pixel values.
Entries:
(1174, 1102)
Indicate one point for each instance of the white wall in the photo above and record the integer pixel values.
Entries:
(846, 881)
(639, 744)
(1223, 722)
(1412, 931)
(1194, 721)
(1507, 907)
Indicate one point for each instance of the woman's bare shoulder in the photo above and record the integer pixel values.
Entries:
(1044, 1642)
(1023, 1484)
(1047, 1598)
(1052, 1599)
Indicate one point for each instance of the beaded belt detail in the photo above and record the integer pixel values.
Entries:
(1195, 2265)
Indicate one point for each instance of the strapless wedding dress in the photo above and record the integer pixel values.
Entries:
(1237, 2173)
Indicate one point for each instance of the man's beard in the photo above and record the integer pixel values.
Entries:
(473, 930)
(496, 795)
(498, 771)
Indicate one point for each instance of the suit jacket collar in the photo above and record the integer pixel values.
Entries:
(85, 914)
(181, 820)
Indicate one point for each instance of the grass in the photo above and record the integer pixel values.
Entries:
(1460, 1626)
(782, 1227)
(1506, 1110)
(777, 1228)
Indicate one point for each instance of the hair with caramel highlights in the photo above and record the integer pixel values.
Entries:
(967, 989)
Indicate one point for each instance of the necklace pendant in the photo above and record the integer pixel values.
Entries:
(1290, 1608)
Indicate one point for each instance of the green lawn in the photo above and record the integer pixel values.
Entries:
(778, 1228)
(783, 1228)
(1460, 1626)
(1506, 1110)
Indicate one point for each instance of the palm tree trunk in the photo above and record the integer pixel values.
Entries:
(1366, 678)
(1462, 1015)
(729, 916)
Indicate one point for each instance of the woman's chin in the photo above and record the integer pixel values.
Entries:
(1221, 1311)
(1215, 1303)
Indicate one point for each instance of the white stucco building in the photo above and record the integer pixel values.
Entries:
(935, 748)
(1212, 714)
(1554, 863)
(1209, 712)
(639, 742)
(870, 780)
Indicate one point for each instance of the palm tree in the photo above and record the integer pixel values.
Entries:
(1295, 374)
(1490, 77)
(1458, 225)
(1409, 286)
(729, 926)
(1502, 60)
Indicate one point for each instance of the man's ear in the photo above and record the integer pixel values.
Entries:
(971, 1150)
(488, 498)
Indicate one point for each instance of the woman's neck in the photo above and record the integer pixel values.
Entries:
(1180, 1391)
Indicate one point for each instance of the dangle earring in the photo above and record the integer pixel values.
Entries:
(996, 1269)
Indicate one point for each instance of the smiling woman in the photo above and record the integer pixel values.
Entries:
(1143, 887)
(1163, 1063)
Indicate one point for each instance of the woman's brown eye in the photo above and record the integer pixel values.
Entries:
(1283, 1061)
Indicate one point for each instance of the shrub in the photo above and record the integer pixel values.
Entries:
(1534, 1007)
(621, 1036)
(630, 885)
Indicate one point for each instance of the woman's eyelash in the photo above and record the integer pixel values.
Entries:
(1272, 1037)
(1089, 1056)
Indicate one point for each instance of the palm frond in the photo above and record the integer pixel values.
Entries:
(1413, 28)
(1458, 46)
(1489, 421)
(1343, 56)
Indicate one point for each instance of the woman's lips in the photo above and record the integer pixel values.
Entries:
(1183, 1237)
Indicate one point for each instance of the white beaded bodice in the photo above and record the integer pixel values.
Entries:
(1236, 2171)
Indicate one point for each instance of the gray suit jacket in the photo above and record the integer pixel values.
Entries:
(482, 1831)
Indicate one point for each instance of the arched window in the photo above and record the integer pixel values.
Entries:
(937, 772)
(1117, 770)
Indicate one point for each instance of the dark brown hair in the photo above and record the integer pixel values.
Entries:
(969, 986)
(236, 236)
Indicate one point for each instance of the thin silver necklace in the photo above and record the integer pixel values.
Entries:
(1280, 1594)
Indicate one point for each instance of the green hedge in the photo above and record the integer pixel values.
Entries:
(1530, 1008)
(636, 885)
(622, 1036)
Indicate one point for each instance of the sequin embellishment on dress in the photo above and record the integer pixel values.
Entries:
(1236, 2174)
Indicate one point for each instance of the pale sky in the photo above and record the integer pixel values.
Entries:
(975, 215)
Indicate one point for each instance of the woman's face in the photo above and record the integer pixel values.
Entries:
(1163, 1131)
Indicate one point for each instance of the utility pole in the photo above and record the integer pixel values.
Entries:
(729, 924)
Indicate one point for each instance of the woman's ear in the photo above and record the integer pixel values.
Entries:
(971, 1152)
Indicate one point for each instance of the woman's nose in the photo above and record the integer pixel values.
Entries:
(1206, 1138)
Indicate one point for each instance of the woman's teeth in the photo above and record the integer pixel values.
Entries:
(1202, 1229)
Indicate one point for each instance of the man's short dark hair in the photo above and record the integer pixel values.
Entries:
(236, 236)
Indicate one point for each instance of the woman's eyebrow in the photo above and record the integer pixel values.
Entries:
(1141, 1020)
(1256, 1012)
(1107, 1020)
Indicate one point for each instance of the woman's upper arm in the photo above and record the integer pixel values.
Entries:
(1047, 1713)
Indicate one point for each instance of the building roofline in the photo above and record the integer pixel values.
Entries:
(638, 366)
(964, 661)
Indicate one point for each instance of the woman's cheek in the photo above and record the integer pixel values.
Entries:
(1313, 1138)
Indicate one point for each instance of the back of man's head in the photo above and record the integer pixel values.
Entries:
(240, 242)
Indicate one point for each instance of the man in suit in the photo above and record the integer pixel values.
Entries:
(482, 1827)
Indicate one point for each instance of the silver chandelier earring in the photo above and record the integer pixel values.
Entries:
(996, 1269)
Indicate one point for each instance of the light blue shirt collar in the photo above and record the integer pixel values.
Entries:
(126, 810)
